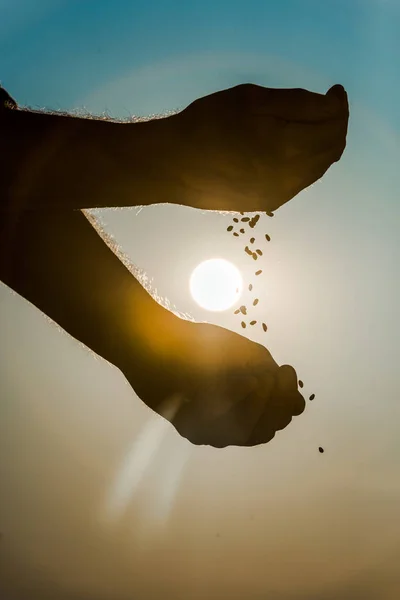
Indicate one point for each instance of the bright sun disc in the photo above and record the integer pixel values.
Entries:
(216, 284)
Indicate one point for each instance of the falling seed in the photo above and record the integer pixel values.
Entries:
(242, 231)
(254, 220)
(259, 252)
(245, 219)
(236, 234)
(235, 220)
(237, 311)
(264, 327)
(255, 302)
(243, 325)
(312, 397)
(253, 322)
(301, 383)
(230, 228)
(250, 287)
(252, 240)
(255, 255)
(248, 251)
(267, 237)
(259, 272)
(243, 310)
(321, 449)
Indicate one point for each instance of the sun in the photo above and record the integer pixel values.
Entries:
(216, 284)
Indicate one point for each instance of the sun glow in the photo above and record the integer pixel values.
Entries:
(216, 284)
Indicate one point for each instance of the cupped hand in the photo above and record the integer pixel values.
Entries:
(252, 148)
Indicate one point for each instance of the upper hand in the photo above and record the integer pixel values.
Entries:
(252, 148)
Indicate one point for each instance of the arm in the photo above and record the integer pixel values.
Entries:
(59, 263)
(248, 148)
(52, 161)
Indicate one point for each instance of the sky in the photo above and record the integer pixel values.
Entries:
(99, 497)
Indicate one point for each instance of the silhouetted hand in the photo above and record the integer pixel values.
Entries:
(253, 148)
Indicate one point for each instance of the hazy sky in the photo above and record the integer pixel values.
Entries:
(99, 497)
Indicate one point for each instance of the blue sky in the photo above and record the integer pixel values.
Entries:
(55, 53)
(290, 523)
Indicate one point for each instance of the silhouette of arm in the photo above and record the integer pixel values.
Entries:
(248, 148)
(60, 264)
(63, 162)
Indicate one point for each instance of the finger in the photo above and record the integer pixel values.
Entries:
(298, 104)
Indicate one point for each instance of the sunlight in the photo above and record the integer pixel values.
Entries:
(216, 284)
(138, 461)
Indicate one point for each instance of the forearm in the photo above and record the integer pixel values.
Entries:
(60, 264)
(52, 161)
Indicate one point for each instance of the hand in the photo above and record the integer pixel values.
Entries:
(251, 148)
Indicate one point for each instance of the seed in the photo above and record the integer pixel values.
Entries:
(259, 272)
(253, 322)
(236, 234)
(252, 240)
(243, 324)
(312, 397)
(269, 213)
(321, 449)
(230, 228)
(259, 252)
(255, 256)
(255, 302)
(248, 251)
(254, 220)
(250, 287)
(237, 311)
(242, 231)
(235, 220)
(264, 327)
(267, 237)
(241, 213)
(301, 383)
(243, 310)
(245, 219)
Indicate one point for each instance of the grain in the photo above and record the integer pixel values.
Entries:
(243, 310)
(259, 272)
(235, 220)
(230, 228)
(237, 311)
(253, 322)
(236, 234)
(254, 255)
(264, 327)
(312, 397)
(250, 287)
(252, 240)
(301, 383)
(255, 302)
(267, 237)
(254, 221)
(242, 231)
(259, 252)
(245, 219)
(248, 251)
(243, 325)
(320, 449)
